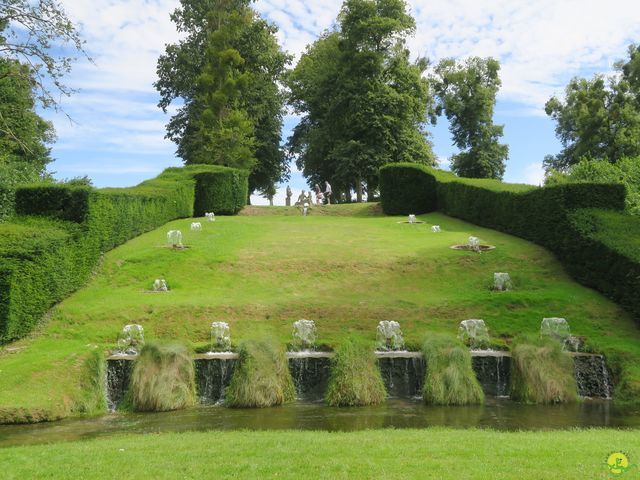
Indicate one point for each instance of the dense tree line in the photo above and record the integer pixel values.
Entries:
(598, 124)
(362, 101)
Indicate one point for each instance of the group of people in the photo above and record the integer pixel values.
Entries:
(306, 200)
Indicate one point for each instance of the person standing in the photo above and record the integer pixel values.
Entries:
(289, 195)
(327, 192)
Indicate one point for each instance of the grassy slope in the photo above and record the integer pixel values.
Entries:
(434, 453)
(344, 272)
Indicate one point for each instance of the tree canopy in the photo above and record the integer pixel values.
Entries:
(466, 93)
(363, 102)
(226, 71)
(599, 118)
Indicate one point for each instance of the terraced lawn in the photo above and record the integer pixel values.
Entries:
(344, 267)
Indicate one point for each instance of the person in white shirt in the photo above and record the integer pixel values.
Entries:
(327, 192)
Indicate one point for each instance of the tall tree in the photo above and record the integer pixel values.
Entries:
(466, 93)
(35, 33)
(226, 71)
(364, 103)
(599, 118)
(24, 135)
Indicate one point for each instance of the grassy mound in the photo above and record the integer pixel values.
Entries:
(355, 378)
(163, 379)
(450, 378)
(542, 373)
(261, 377)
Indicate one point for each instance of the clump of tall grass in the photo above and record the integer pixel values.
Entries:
(450, 379)
(261, 377)
(541, 372)
(92, 398)
(355, 379)
(163, 379)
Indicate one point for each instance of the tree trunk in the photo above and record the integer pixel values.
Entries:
(358, 191)
(371, 187)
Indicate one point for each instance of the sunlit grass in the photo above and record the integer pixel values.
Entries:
(262, 273)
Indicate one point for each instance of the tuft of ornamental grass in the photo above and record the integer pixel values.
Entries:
(541, 372)
(163, 379)
(261, 377)
(355, 378)
(450, 379)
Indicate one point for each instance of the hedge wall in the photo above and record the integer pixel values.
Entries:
(605, 254)
(581, 223)
(52, 248)
(223, 192)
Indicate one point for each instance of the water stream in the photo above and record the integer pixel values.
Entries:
(500, 414)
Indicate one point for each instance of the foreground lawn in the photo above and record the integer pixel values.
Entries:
(343, 266)
(434, 453)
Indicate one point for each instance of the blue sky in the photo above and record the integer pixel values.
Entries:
(117, 133)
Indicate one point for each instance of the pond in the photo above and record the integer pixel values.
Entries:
(497, 413)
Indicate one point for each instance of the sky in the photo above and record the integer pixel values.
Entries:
(116, 135)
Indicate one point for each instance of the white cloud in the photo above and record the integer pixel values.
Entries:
(534, 174)
(541, 44)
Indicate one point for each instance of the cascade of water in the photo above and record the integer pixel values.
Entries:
(212, 378)
(117, 382)
(556, 328)
(474, 244)
(160, 285)
(592, 376)
(220, 337)
(131, 339)
(174, 238)
(502, 282)
(474, 333)
(310, 377)
(389, 336)
(304, 334)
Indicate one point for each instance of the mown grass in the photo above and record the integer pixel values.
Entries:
(355, 378)
(261, 377)
(541, 372)
(450, 379)
(261, 273)
(163, 379)
(441, 454)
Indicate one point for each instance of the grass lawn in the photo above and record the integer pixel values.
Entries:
(435, 453)
(344, 267)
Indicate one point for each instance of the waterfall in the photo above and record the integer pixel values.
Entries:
(403, 377)
(212, 378)
(310, 377)
(118, 375)
(492, 371)
(592, 376)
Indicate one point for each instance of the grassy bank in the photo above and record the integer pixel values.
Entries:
(261, 273)
(389, 454)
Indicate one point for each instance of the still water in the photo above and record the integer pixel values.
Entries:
(497, 413)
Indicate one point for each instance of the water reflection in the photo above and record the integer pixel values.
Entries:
(500, 414)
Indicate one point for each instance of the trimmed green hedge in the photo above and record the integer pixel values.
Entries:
(50, 250)
(224, 192)
(605, 254)
(407, 188)
(599, 248)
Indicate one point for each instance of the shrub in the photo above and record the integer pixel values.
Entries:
(407, 188)
(355, 379)
(542, 373)
(163, 379)
(223, 192)
(261, 377)
(450, 378)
